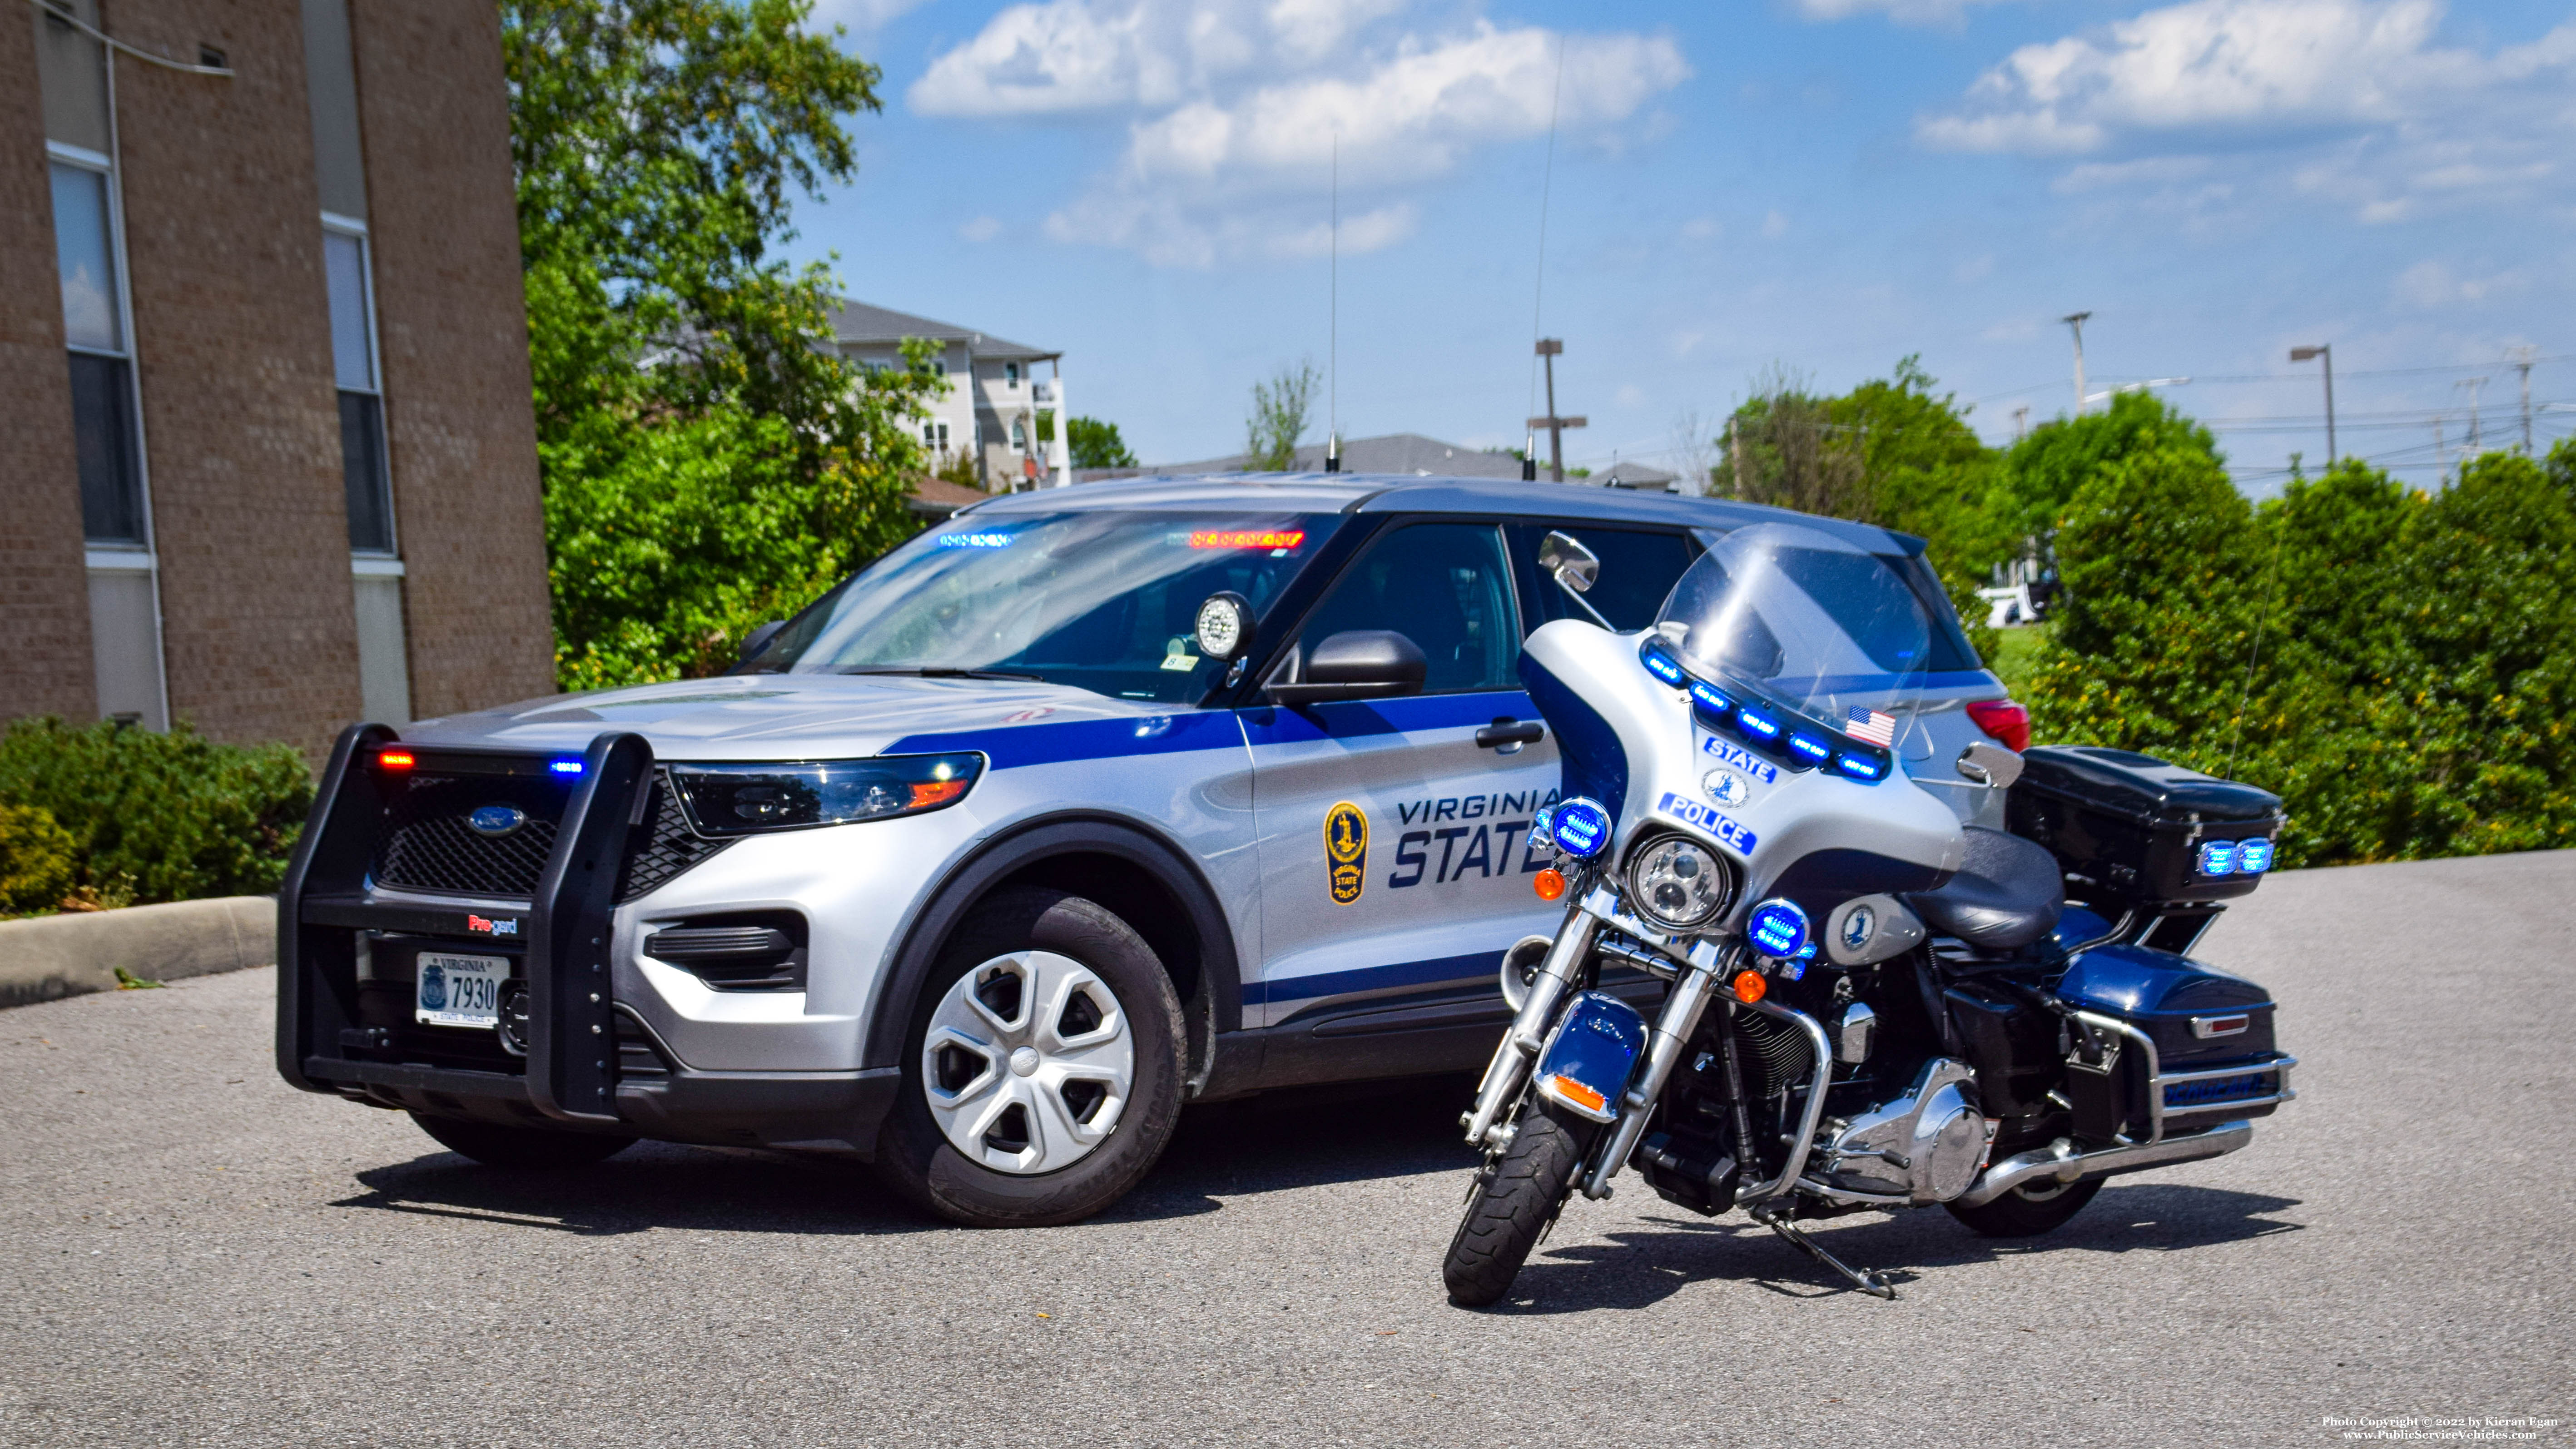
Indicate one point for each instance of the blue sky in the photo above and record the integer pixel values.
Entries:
(1817, 185)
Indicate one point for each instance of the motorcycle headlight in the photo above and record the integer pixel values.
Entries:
(727, 800)
(1679, 884)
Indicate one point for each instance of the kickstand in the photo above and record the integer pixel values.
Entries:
(1873, 1282)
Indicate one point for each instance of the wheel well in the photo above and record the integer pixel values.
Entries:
(1134, 896)
(1146, 882)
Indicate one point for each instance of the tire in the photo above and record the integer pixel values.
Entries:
(2021, 1214)
(917, 1156)
(521, 1148)
(1511, 1208)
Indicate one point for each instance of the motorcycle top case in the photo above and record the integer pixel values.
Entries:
(2139, 826)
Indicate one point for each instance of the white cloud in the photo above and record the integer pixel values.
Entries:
(981, 229)
(1235, 108)
(2387, 120)
(1774, 224)
(1905, 12)
(2431, 284)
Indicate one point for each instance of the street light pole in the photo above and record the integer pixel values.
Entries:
(2325, 351)
(2076, 321)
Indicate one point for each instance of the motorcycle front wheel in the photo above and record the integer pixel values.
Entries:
(1511, 1207)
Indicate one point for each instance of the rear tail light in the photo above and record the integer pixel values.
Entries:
(2008, 722)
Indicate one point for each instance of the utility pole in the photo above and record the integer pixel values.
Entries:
(2477, 435)
(1734, 458)
(2441, 459)
(2076, 321)
(2021, 422)
(2326, 351)
(1549, 348)
(2523, 357)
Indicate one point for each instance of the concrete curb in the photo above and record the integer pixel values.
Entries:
(67, 955)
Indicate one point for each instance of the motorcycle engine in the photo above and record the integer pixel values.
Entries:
(1925, 1146)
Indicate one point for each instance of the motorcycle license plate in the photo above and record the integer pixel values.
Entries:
(459, 990)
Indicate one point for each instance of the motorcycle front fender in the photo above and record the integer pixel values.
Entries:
(1590, 1056)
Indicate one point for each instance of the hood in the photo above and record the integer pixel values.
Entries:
(778, 716)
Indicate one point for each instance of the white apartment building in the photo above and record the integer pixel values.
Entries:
(997, 410)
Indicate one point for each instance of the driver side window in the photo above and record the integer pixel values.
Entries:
(1445, 586)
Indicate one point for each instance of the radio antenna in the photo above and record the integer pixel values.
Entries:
(1333, 325)
(1538, 288)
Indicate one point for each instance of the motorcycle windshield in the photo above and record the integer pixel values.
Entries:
(1812, 623)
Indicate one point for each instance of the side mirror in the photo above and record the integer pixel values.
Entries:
(757, 640)
(1562, 557)
(1356, 664)
(1992, 766)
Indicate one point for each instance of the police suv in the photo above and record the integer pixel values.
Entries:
(1078, 807)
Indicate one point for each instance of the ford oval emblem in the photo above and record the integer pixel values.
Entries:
(496, 820)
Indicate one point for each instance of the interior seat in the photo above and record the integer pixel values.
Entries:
(2006, 895)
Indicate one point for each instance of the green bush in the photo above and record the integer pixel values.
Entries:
(2399, 666)
(159, 817)
(35, 861)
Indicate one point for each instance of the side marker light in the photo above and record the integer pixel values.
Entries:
(1577, 1093)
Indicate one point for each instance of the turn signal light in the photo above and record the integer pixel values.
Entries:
(1549, 883)
(1750, 987)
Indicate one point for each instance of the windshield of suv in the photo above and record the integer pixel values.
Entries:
(1101, 601)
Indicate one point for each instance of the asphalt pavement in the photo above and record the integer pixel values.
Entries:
(197, 1254)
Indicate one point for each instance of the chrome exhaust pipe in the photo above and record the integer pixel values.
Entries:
(2060, 1160)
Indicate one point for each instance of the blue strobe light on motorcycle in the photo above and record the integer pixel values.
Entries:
(1660, 665)
(1708, 697)
(1777, 928)
(1862, 767)
(2217, 857)
(1581, 828)
(1757, 724)
(1810, 749)
(2254, 858)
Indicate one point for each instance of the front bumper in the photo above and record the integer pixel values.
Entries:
(590, 1062)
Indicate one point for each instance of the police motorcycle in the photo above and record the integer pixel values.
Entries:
(1867, 1003)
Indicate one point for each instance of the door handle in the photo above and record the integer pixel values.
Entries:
(1514, 733)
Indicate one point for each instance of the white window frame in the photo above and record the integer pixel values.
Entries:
(333, 223)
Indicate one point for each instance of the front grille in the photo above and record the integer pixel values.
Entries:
(669, 848)
(425, 844)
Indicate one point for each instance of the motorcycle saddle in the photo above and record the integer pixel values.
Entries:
(2007, 894)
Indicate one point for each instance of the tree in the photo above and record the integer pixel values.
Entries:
(1281, 408)
(658, 144)
(1096, 444)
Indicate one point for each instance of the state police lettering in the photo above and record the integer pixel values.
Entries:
(1741, 758)
(1478, 847)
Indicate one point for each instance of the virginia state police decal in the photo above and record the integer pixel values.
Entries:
(1346, 851)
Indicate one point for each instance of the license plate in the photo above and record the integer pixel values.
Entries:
(459, 990)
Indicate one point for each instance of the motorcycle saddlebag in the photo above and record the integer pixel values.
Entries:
(2142, 831)
(2213, 1054)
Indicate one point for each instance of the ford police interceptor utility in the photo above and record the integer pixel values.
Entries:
(1080, 806)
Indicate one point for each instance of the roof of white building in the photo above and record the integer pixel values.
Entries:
(858, 324)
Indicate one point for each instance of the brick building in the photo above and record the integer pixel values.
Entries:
(267, 458)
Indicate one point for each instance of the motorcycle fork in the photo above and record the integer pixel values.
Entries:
(1691, 993)
(1520, 1045)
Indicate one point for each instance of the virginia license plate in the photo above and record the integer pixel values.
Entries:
(459, 990)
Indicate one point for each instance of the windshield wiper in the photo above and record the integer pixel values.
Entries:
(938, 671)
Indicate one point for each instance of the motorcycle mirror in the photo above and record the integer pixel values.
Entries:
(1224, 625)
(1992, 766)
(1563, 558)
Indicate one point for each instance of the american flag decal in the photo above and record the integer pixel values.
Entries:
(1871, 725)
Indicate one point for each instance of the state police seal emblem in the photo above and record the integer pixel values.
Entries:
(1346, 851)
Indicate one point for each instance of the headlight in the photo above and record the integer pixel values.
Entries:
(1679, 884)
(740, 799)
